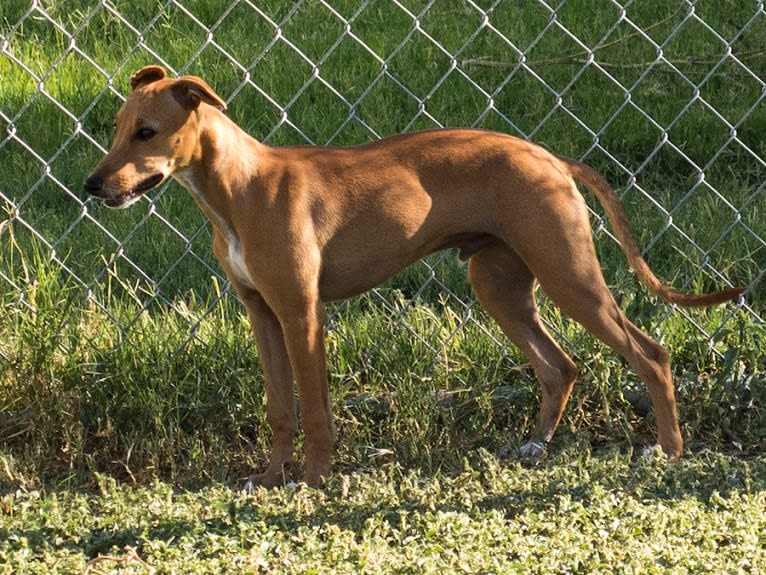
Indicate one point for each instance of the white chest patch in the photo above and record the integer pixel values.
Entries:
(237, 263)
(234, 256)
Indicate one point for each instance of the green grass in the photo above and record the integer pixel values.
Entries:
(130, 391)
(581, 513)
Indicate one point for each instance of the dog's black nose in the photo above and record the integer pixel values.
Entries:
(93, 184)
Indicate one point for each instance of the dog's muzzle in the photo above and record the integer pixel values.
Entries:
(94, 185)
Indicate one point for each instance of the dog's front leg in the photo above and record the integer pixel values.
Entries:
(304, 336)
(278, 381)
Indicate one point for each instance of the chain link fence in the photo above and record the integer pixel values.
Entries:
(333, 72)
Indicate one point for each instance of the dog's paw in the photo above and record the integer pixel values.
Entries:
(253, 482)
(270, 478)
(654, 455)
(532, 451)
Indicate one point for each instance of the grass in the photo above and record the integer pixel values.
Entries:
(130, 392)
(581, 513)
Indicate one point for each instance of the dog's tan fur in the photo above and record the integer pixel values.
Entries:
(299, 226)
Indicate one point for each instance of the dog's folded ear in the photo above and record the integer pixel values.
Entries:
(189, 91)
(147, 75)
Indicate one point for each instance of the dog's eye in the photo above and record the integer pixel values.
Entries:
(145, 134)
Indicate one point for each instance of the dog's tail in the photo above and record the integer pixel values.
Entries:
(616, 214)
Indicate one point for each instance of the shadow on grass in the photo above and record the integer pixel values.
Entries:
(160, 521)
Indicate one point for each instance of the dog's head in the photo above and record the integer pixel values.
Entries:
(156, 133)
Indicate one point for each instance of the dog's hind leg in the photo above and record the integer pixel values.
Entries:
(505, 288)
(571, 276)
(590, 303)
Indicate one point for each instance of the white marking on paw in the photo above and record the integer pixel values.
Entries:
(532, 450)
(653, 454)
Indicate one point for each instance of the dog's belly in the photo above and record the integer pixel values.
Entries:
(344, 277)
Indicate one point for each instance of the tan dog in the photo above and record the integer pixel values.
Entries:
(299, 226)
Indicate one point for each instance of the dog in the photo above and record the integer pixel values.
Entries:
(296, 227)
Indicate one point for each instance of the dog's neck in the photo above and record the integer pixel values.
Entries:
(229, 154)
(222, 169)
